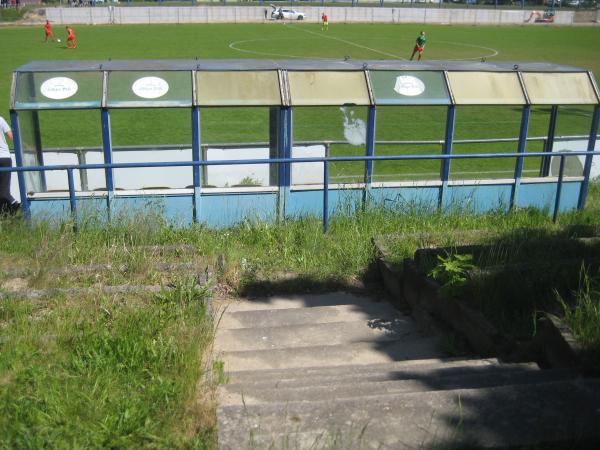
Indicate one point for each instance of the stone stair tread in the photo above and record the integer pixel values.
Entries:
(298, 316)
(494, 417)
(362, 370)
(298, 301)
(386, 372)
(331, 333)
(334, 355)
(349, 388)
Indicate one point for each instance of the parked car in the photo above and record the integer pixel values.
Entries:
(286, 13)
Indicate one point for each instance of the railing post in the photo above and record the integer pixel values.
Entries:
(285, 151)
(83, 173)
(447, 150)
(25, 207)
(561, 172)
(587, 167)
(369, 151)
(549, 142)
(520, 150)
(196, 157)
(72, 198)
(325, 196)
(107, 149)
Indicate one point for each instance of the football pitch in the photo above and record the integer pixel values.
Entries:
(577, 46)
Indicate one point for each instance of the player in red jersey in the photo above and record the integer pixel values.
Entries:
(325, 20)
(70, 38)
(48, 31)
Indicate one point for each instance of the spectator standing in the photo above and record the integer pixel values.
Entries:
(7, 201)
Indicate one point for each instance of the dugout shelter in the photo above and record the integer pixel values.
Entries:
(284, 174)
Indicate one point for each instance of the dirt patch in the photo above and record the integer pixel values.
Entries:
(15, 284)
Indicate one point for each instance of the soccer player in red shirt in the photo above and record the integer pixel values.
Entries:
(70, 38)
(325, 20)
(48, 31)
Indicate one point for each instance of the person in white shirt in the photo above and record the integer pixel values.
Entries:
(7, 202)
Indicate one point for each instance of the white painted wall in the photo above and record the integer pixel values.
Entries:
(235, 14)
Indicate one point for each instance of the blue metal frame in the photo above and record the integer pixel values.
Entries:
(561, 172)
(588, 159)
(196, 157)
(549, 144)
(14, 118)
(325, 196)
(107, 149)
(72, 198)
(520, 151)
(370, 144)
(447, 150)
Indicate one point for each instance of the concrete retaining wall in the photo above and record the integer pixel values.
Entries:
(233, 14)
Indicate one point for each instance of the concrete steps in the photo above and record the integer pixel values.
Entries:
(346, 372)
(493, 417)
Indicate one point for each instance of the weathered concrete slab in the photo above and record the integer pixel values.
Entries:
(368, 386)
(298, 316)
(412, 366)
(296, 301)
(332, 355)
(498, 417)
(334, 333)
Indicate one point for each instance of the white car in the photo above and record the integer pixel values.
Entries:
(286, 14)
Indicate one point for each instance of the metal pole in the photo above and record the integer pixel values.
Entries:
(14, 118)
(325, 196)
(549, 142)
(107, 149)
(447, 150)
(370, 148)
(561, 171)
(72, 198)
(196, 156)
(83, 173)
(520, 150)
(588, 158)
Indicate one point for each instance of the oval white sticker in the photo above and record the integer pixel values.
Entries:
(409, 85)
(59, 88)
(150, 87)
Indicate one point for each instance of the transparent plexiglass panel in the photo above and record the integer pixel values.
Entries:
(328, 88)
(559, 88)
(333, 131)
(242, 88)
(485, 129)
(409, 130)
(74, 138)
(239, 133)
(143, 89)
(409, 88)
(152, 135)
(486, 88)
(48, 90)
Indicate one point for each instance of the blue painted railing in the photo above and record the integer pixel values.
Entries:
(286, 161)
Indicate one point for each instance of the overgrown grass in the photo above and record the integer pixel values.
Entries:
(583, 315)
(122, 371)
(105, 372)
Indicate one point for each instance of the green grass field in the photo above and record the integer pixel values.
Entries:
(573, 46)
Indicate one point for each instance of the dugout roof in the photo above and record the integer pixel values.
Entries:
(250, 82)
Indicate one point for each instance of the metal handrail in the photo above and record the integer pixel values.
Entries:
(325, 160)
(166, 147)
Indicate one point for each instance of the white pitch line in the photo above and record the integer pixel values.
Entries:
(233, 46)
(348, 42)
(491, 55)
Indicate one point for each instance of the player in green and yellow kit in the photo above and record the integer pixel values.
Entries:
(419, 46)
